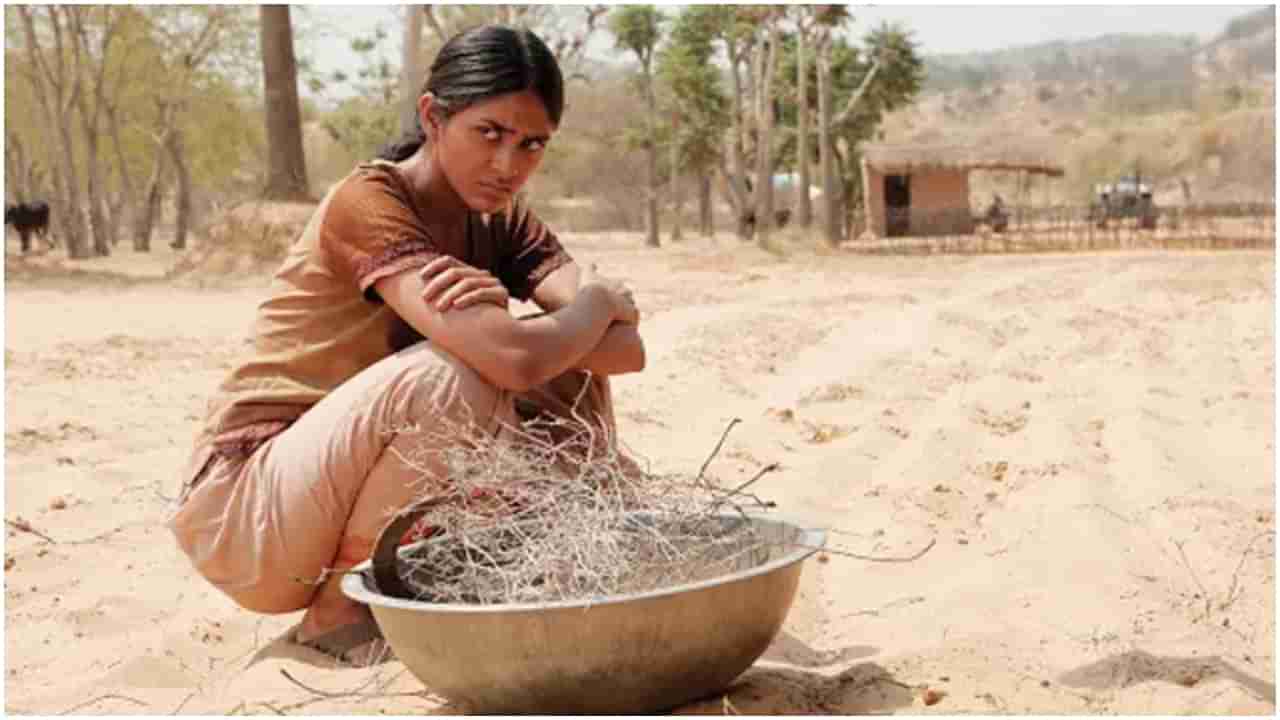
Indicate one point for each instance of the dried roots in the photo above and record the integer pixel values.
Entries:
(553, 511)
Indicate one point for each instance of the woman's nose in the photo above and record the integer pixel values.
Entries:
(504, 160)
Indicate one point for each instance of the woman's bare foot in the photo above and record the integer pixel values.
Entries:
(331, 609)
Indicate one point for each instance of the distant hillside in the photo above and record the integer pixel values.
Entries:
(1249, 40)
(1181, 110)
(1108, 56)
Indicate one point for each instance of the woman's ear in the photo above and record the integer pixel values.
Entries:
(429, 125)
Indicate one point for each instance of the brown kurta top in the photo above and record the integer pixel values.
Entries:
(323, 321)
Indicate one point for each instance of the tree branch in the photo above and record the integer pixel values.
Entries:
(857, 95)
(434, 22)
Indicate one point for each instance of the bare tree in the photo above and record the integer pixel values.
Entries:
(286, 161)
(190, 36)
(93, 58)
(57, 86)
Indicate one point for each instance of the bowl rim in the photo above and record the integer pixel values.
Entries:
(811, 540)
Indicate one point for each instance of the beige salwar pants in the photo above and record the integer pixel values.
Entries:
(264, 528)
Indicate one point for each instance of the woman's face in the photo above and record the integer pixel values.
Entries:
(488, 150)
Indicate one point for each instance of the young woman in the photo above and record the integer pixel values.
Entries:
(298, 465)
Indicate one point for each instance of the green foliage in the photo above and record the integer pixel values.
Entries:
(637, 28)
(896, 84)
(362, 125)
(693, 85)
(368, 117)
(152, 59)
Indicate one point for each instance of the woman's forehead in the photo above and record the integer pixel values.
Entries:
(521, 111)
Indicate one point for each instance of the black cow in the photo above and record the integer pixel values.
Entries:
(28, 219)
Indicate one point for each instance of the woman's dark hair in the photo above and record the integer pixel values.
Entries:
(480, 64)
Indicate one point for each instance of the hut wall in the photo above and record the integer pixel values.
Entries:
(940, 203)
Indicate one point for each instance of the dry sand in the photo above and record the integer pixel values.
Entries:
(1086, 437)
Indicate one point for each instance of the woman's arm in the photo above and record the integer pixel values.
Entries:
(620, 350)
(515, 355)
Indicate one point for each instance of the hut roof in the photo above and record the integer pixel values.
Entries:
(900, 158)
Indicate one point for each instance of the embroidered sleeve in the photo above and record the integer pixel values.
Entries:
(370, 232)
(532, 251)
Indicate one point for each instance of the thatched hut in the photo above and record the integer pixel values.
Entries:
(923, 189)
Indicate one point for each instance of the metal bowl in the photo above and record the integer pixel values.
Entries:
(622, 654)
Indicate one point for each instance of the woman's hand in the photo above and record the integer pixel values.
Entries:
(450, 283)
(624, 304)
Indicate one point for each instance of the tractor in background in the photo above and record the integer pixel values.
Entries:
(1127, 197)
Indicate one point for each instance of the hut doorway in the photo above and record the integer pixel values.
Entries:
(897, 205)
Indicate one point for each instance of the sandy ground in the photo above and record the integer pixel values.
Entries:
(1086, 439)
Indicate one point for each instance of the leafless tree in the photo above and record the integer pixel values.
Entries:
(57, 86)
(190, 36)
(92, 50)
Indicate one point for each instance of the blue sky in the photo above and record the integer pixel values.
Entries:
(940, 28)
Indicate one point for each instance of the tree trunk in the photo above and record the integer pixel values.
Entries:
(677, 233)
(70, 217)
(411, 79)
(651, 163)
(57, 89)
(764, 142)
(18, 172)
(93, 173)
(286, 163)
(183, 220)
(145, 218)
(127, 198)
(705, 220)
(738, 181)
(830, 220)
(841, 200)
(804, 206)
(97, 218)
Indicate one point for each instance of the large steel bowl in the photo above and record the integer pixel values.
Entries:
(621, 654)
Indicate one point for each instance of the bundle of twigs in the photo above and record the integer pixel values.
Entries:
(553, 511)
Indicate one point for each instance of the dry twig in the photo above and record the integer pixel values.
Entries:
(873, 558)
(24, 526)
(552, 511)
(715, 451)
(1208, 602)
(108, 696)
(1232, 591)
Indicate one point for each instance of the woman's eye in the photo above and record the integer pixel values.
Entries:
(534, 145)
(490, 133)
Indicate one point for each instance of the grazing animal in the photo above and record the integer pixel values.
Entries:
(29, 219)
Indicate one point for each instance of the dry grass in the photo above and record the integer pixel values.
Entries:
(252, 237)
